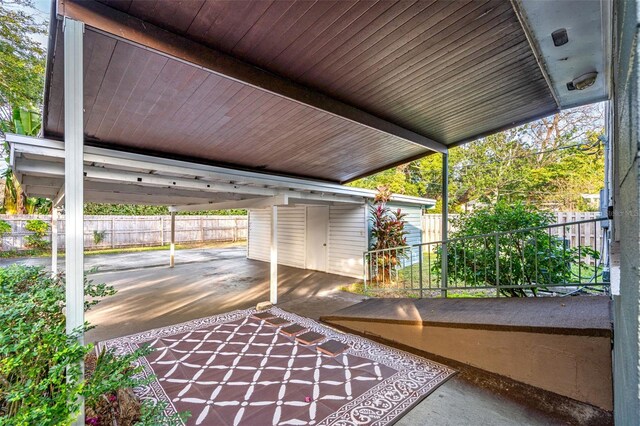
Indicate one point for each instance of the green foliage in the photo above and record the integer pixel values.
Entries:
(398, 180)
(98, 236)
(8, 254)
(40, 364)
(153, 415)
(5, 228)
(37, 205)
(502, 217)
(550, 162)
(113, 372)
(388, 227)
(22, 66)
(22, 62)
(135, 210)
(387, 231)
(40, 228)
(36, 355)
(28, 123)
(529, 257)
(24, 122)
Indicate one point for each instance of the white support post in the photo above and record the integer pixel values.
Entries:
(172, 247)
(73, 182)
(445, 221)
(273, 282)
(54, 241)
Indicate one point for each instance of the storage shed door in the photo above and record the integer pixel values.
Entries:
(317, 230)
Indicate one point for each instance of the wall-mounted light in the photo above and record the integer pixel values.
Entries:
(582, 82)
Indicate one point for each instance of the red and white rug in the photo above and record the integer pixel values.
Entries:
(233, 369)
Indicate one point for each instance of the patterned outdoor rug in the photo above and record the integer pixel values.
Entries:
(235, 369)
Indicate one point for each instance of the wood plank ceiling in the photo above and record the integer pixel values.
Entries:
(448, 70)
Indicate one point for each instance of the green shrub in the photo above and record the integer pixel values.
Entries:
(531, 258)
(387, 232)
(5, 228)
(40, 228)
(98, 236)
(35, 350)
(40, 363)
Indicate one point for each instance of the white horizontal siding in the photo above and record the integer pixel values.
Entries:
(413, 224)
(347, 239)
(259, 240)
(291, 235)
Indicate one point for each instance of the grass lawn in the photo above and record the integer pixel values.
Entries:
(358, 288)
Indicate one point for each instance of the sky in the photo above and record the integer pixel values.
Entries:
(41, 10)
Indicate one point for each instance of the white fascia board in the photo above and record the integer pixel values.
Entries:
(253, 203)
(38, 168)
(282, 199)
(41, 168)
(408, 199)
(159, 165)
(302, 197)
(127, 198)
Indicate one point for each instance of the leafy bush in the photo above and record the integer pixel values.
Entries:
(5, 228)
(529, 258)
(387, 232)
(40, 228)
(98, 236)
(137, 210)
(35, 350)
(40, 363)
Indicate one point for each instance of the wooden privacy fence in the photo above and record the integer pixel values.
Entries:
(132, 231)
(590, 236)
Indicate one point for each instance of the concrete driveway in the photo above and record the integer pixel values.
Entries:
(204, 282)
(140, 260)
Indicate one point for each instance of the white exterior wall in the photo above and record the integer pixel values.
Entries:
(259, 239)
(348, 239)
(414, 222)
(348, 236)
(413, 225)
(291, 235)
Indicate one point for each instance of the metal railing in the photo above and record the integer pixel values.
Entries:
(550, 260)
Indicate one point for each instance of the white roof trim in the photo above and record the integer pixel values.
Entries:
(209, 184)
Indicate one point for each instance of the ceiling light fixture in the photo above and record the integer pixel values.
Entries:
(585, 81)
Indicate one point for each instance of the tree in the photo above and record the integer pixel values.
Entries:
(399, 180)
(22, 65)
(27, 123)
(551, 162)
(22, 60)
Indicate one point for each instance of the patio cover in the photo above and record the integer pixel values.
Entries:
(324, 90)
(112, 176)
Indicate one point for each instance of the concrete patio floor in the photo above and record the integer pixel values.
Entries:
(206, 282)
